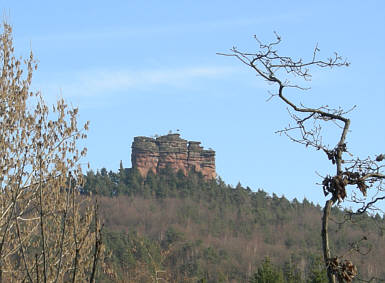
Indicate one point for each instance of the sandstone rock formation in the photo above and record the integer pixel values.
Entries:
(150, 154)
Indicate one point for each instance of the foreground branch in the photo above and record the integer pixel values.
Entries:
(364, 174)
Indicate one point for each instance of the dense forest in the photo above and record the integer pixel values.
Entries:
(175, 228)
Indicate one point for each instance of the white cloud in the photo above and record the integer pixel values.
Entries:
(100, 82)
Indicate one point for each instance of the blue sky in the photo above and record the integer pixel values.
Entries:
(147, 67)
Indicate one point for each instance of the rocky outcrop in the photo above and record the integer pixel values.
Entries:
(149, 154)
(201, 160)
(145, 155)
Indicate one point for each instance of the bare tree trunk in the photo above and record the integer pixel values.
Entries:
(325, 238)
(363, 174)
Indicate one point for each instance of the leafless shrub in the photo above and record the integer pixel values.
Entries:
(44, 236)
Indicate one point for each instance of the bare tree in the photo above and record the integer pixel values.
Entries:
(48, 232)
(366, 174)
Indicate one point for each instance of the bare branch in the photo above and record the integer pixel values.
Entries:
(365, 174)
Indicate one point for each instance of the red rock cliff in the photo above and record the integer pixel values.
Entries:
(150, 154)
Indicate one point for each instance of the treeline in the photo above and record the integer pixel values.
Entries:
(137, 259)
(185, 229)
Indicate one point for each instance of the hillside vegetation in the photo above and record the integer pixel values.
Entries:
(185, 229)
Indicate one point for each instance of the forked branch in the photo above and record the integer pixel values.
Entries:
(365, 174)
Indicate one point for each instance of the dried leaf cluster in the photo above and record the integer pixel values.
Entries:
(344, 270)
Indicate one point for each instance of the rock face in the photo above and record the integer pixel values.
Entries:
(150, 154)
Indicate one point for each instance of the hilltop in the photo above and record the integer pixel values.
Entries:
(185, 228)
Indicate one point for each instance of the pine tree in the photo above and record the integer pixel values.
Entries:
(267, 273)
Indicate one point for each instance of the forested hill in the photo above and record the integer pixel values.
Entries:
(186, 229)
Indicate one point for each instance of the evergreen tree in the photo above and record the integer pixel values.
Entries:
(267, 273)
(291, 273)
(317, 272)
